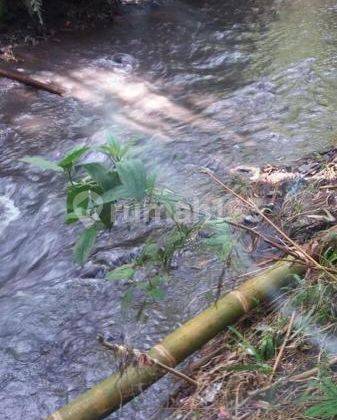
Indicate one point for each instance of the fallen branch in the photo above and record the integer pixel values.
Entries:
(287, 250)
(280, 353)
(328, 187)
(27, 80)
(269, 241)
(302, 253)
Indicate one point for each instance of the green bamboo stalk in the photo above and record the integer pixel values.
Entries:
(121, 387)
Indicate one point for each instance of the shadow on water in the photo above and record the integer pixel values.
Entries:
(213, 84)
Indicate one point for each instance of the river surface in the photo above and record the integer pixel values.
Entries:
(199, 84)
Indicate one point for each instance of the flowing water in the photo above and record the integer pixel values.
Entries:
(197, 83)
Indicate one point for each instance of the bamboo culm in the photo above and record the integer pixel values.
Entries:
(121, 387)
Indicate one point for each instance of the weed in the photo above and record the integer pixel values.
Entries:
(124, 272)
(315, 298)
(94, 190)
(97, 191)
(325, 404)
(220, 238)
(259, 355)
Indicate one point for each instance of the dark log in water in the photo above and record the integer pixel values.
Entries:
(27, 80)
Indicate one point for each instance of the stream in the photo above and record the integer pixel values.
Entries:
(211, 84)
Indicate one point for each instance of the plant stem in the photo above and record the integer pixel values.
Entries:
(280, 354)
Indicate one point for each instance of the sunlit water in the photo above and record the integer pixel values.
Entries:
(212, 84)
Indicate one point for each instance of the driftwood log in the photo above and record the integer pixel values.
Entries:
(27, 80)
(121, 387)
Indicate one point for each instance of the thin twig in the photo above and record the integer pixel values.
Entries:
(307, 374)
(294, 378)
(280, 354)
(253, 206)
(269, 241)
(328, 187)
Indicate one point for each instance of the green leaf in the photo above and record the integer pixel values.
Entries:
(106, 179)
(85, 244)
(71, 218)
(114, 149)
(267, 347)
(42, 163)
(329, 388)
(80, 192)
(157, 293)
(245, 344)
(106, 215)
(127, 298)
(114, 195)
(132, 174)
(220, 242)
(72, 157)
(149, 253)
(124, 272)
(154, 287)
(324, 410)
(251, 367)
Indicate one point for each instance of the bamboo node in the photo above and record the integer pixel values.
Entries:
(166, 354)
(55, 416)
(242, 299)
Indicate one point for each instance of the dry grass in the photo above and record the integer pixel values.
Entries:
(235, 371)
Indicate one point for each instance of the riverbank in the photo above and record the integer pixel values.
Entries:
(262, 367)
(197, 87)
(19, 27)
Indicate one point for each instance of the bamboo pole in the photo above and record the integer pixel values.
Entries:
(121, 387)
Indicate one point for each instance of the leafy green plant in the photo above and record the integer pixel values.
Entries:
(246, 345)
(154, 287)
(259, 355)
(95, 193)
(174, 241)
(66, 164)
(325, 406)
(94, 189)
(316, 298)
(123, 272)
(330, 257)
(85, 244)
(114, 149)
(157, 255)
(220, 239)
